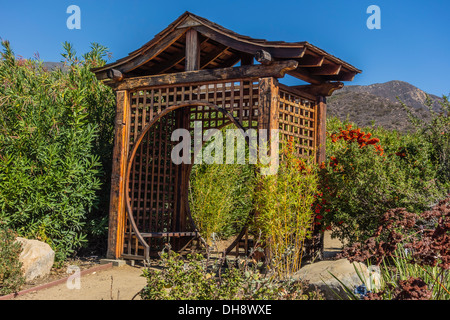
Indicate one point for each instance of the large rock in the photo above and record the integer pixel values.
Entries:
(319, 277)
(37, 258)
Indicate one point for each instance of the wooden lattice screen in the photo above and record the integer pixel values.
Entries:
(157, 188)
(297, 120)
(154, 178)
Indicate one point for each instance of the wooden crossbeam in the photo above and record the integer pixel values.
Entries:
(277, 69)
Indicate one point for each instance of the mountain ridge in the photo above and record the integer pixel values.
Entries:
(378, 104)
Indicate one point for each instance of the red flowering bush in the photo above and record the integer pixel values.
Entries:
(368, 173)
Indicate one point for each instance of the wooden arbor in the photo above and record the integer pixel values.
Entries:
(186, 74)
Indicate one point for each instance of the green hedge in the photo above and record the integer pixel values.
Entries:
(55, 126)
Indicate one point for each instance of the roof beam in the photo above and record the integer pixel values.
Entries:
(326, 70)
(343, 76)
(163, 67)
(153, 51)
(251, 48)
(325, 89)
(277, 69)
(213, 55)
(311, 61)
(303, 74)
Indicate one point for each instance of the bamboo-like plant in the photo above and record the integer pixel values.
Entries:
(284, 211)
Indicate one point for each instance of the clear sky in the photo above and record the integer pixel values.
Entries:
(412, 45)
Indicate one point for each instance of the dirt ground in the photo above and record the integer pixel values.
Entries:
(115, 283)
(121, 283)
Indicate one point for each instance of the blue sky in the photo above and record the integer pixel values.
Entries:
(412, 45)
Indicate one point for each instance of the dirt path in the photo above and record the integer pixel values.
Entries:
(126, 281)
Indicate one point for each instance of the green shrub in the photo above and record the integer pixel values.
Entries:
(11, 275)
(221, 198)
(436, 132)
(367, 173)
(221, 195)
(54, 128)
(196, 278)
(284, 214)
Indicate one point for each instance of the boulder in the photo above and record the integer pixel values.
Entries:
(318, 275)
(37, 258)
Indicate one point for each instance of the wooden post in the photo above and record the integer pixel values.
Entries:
(268, 104)
(192, 64)
(192, 51)
(314, 245)
(117, 201)
(267, 119)
(321, 128)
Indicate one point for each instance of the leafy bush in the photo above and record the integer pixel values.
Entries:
(365, 175)
(436, 132)
(54, 128)
(11, 275)
(197, 278)
(284, 214)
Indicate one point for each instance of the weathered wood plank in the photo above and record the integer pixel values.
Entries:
(277, 69)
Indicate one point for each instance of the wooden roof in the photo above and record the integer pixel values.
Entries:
(221, 48)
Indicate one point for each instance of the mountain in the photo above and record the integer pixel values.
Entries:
(54, 65)
(378, 103)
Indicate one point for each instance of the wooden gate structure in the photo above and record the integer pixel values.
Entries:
(184, 74)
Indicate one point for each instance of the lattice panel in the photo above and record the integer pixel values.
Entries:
(297, 119)
(153, 184)
(154, 177)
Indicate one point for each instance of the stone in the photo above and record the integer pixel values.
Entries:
(319, 278)
(115, 262)
(37, 258)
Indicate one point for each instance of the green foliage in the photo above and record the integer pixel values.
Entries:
(196, 278)
(436, 132)
(285, 217)
(221, 198)
(221, 195)
(11, 275)
(360, 181)
(55, 126)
